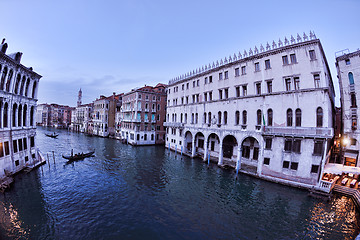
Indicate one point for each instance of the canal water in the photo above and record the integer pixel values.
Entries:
(127, 192)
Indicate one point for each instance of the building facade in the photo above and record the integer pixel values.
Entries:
(267, 112)
(104, 115)
(348, 70)
(143, 114)
(18, 93)
(53, 115)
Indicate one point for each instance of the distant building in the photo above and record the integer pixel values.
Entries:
(348, 70)
(143, 113)
(104, 115)
(53, 115)
(18, 93)
(268, 111)
(83, 118)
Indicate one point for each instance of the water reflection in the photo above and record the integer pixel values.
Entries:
(127, 192)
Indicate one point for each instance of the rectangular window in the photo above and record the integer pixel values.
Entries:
(193, 83)
(286, 164)
(317, 80)
(257, 67)
(187, 85)
(226, 93)
(210, 79)
(1, 150)
(197, 83)
(210, 96)
(32, 141)
(294, 165)
(205, 97)
(285, 60)
(266, 161)
(269, 86)
(347, 61)
(268, 143)
(206, 80)
(6, 148)
(297, 83)
(312, 55)
(220, 76)
(182, 87)
(288, 84)
(15, 146)
(267, 64)
(17, 163)
(220, 94)
(288, 145)
(258, 88)
(237, 72)
(237, 91)
(226, 75)
(244, 90)
(293, 58)
(243, 70)
(20, 144)
(314, 168)
(296, 145)
(26, 158)
(318, 148)
(187, 99)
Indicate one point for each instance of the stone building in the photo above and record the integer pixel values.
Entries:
(104, 115)
(143, 113)
(267, 111)
(53, 115)
(18, 93)
(83, 118)
(348, 70)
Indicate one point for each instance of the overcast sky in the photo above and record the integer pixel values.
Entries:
(115, 45)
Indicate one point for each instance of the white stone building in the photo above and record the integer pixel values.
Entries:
(268, 111)
(348, 70)
(18, 92)
(83, 117)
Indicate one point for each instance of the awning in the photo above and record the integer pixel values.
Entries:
(350, 155)
(340, 169)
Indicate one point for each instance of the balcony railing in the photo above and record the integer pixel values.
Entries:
(173, 124)
(299, 131)
(352, 88)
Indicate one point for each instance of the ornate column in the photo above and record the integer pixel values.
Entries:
(193, 148)
(238, 159)
(220, 162)
(205, 149)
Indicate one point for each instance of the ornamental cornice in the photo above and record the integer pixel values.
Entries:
(17, 65)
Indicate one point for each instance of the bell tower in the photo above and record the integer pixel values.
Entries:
(79, 98)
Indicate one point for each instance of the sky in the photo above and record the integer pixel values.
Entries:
(116, 45)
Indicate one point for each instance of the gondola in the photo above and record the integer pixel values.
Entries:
(78, 156)
(53, 135)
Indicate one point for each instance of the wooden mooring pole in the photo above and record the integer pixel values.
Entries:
(53, 156)
(47, 154)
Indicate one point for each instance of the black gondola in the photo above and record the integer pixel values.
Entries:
(78, 156)
(53, 135)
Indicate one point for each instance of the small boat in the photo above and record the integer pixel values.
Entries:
(53, 135)
(78, 156)
(88, 134)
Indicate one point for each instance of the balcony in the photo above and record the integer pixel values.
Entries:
(299, 131)
(153, 110)
(173, 124)
(153, 120)
(352, 88)
(146, 110)
(137, 120)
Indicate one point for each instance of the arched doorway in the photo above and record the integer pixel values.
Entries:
(188, 141)
(250, 149)
(213, 145)
(199, 143)
(229, 144)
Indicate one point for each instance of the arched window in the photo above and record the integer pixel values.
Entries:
(14, 115)
(219, 118)
(22, 85)
(8, 83)
(270, 117)
(19, 116)
(3, 77)
(204, 119)
(32, 116)
(24, 115)
(319, 117)
(244, 117)
(298, 117)
(209, 117)
(289, 117)
(225, 117)
(27, 87)
(185, 117)
(181, 117)
(1, 105)
(351, 78)
(258, 117)
(237, 118)
(34, 90)
(6, 114)
(18, 79)
(353, 100)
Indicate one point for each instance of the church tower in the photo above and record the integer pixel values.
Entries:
(79, 98)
